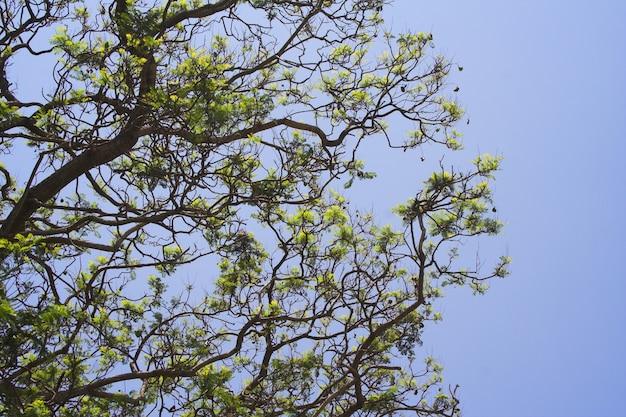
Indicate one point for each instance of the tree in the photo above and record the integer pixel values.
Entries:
(218, 135)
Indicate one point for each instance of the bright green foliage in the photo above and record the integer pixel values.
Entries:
(179, 246)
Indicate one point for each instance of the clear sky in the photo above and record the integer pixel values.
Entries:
(544, 86)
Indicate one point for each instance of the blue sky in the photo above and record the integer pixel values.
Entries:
(544, 86)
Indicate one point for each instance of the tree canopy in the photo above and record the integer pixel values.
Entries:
(220, 136)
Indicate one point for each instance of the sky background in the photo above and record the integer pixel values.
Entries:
(544, 86)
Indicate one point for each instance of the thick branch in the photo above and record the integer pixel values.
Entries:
(200, 12)
(49, 187)
(34, 197)
(260, 127)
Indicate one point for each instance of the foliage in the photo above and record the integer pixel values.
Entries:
(182, 133)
